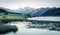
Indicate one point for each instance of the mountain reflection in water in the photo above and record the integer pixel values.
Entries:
(48, 26)
(31, 28)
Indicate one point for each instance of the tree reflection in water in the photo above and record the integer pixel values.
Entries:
(45, 25)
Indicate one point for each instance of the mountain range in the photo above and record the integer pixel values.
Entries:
(33, 12)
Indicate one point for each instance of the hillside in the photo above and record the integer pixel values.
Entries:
(52, 12)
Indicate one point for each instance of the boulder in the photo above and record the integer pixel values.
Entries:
(7, 28)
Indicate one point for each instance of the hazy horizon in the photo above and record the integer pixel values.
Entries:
(15, 4)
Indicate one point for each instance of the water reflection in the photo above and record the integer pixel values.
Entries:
(48, 26)
(37, 28)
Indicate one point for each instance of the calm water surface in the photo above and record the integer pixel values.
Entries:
(28, 28)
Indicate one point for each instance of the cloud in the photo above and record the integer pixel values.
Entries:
(14, 4)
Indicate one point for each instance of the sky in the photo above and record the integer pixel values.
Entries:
(15, 4)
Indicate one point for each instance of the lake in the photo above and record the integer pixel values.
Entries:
(30, 28)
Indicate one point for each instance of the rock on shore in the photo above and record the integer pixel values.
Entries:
(7, 28)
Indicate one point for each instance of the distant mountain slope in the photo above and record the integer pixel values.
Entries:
(7, 11)
(25, 10)
(52, 12)
(3, 11)
(33, 12)
(41, 11)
